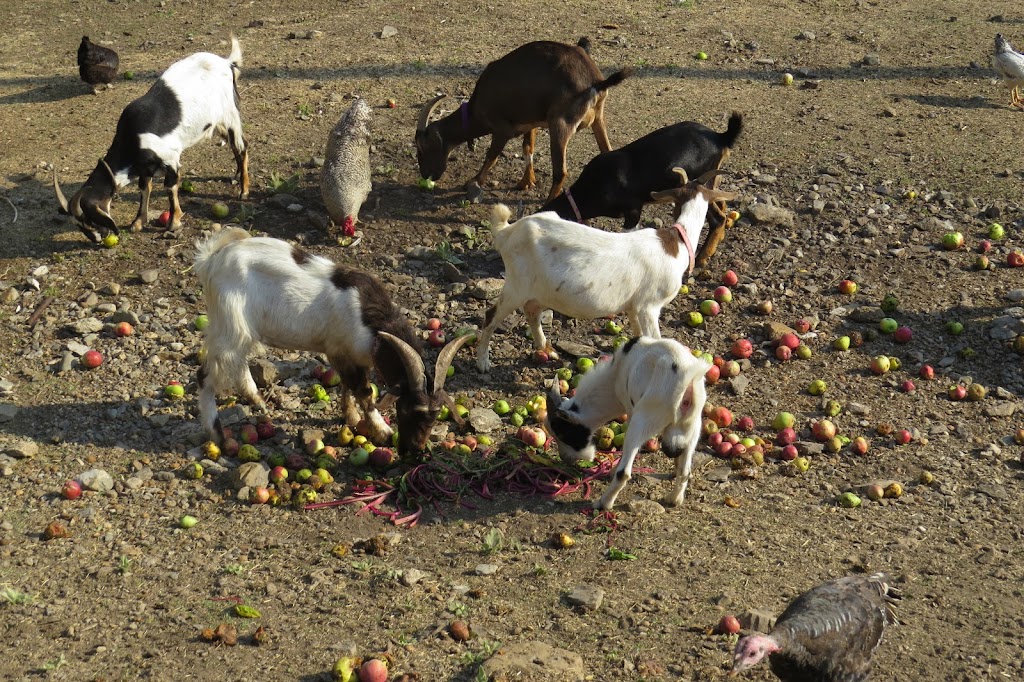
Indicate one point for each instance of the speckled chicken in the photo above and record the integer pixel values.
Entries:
(827, 634)
(97, 65)
(1009, 64)
(345, 178)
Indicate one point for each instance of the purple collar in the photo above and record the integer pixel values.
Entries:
(464, 110)
(572, 202)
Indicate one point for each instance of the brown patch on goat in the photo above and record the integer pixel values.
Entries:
(300, 255)
(489, 316)
(669, 241)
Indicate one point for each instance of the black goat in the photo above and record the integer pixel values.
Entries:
(618, 183)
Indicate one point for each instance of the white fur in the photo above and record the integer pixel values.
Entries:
(583, 272)
(642, 383)
(256, 294)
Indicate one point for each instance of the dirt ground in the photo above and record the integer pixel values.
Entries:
(889, 99)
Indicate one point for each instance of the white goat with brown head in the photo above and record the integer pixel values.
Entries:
(583, 272)
(262, 291)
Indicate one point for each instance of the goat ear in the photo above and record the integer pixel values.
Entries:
(710, 176)
(721, 195)
(665, 196)
(554, 395)
(93, 214)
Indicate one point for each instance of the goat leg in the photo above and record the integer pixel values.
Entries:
(560, 134)
(529, 142)
(532, 309)
(171, 181)
(142, 217)
(241, 151)
(498, 142)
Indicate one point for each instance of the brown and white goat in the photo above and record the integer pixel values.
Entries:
(541, 84)
(263, 291)
(660, 385)
(194, 99)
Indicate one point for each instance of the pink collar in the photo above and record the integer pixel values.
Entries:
(689, 247)
(572, 202)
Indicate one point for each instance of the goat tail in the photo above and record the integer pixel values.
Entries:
(613, 79)
(732, 133)
(206, 250)
(500, 214)
(236, 53)
(584, 43)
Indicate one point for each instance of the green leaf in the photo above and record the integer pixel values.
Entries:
(616, 554)
(244, 611)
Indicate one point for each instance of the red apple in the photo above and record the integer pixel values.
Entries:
(802, 326)
(903, 437)
(722, 294)
(230, 447)
(164, 219)
(712, 375)
(382, 458)
(729, 625)
(265, 430)
(721, 416)
(724, 449)
(124, 329)
(715, 438)
(1015, 259)
(651, 445)
(92, 359)
(330, 377)
(433, 323)
(534, 437)
(957, 392)
(927, 372)
(248, 435)
(738, 449)
(742, 348)
(785, 436)
(823, 430)
(789, 453)
(908, 386)
(783, 353)
(745, 424)
(295, 461)
(72, 490)
(790, 340)
(984, 246)
(373, 670)
(278, 475)
(903, 335)
(540, 357)
(848, 287)
(436, 338)
(859, 445)
(259, 495)
(731, 369)
(730, 278)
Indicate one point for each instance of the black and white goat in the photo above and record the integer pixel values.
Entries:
(583, 272)
(195, 99)
(618, 183)
(262, 291)
(660, 385)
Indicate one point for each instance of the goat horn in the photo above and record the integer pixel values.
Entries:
(710, 175)
(386, 401)
(682, 174)
(445, 357)
(426, 111)
(113, 178)
(60, 195)
(554, 395)
(411, 360)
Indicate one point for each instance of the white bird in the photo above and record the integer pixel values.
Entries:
(1010, 65)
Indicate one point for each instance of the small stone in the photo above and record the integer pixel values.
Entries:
(761, 620)
(149, 275)
(534, 661)
(485, 569)
(96, 480)
(10, 295)
(589, 597)
(459, 631)
(23, 449)
(773, 331)
(252, 475)
(644, 507)
(1000, 409)
(8, 412)
(871, 59)
(484, 420)
(388, 32)
(88, 325)
(264, 372)
(486, 289)
(771, 215)
(738, 384)
(412, 576)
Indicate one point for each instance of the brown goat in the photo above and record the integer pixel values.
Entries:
(539, 85)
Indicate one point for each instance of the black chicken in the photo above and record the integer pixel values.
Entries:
(828, 634)
(97, 65)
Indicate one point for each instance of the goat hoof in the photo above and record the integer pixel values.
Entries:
(136, 226)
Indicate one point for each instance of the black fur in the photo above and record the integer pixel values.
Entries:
(569, 432)
(629, 344)
(618, 183)
(157, 112)
(299, 255)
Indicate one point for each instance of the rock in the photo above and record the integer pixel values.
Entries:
(578, 350)
(486, 289)
(10, 295)
(125, 316)
(771, 215)
(252, 475)
(149, 275)
(773, 331)
(412, 576)
(858, 409)
(1000, 409)
(871, 59)
(738, 384)
(97, 480)
(806, 35)
(8, 412)
(452, 273)
(534, 661)
(808, 449)
(867, 314)
(111, 289)
(23, 449)
(264, 372)
(485, 569)
(6, 387)
(644, 507)
(459, 630)
(484, 420)
(587, 596)
(76, 348)
(761, 620)
(996, 492)
(388, 32)
(88, 325)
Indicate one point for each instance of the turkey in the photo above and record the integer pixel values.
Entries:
(97, 65)
(827, 634)
(1010, 65)
(345, 178)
